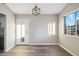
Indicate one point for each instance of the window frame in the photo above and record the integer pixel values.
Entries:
(75, 12)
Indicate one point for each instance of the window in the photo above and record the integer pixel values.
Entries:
(71, 24)
(51, 29)
(20, 31)
(77, 21)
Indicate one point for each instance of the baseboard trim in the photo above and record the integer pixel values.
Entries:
(43, 44)
(9, 48)
(67, 50)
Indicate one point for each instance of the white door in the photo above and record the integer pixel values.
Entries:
(22, 32)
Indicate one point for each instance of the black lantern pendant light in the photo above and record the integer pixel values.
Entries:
(36, 11)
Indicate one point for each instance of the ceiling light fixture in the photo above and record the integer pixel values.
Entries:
(36, 11)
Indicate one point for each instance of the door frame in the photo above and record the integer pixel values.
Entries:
(4, 32)
(21, 33)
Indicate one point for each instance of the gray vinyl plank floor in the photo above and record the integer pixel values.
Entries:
(37, 50)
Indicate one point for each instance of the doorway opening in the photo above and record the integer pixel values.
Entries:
(22, 32)
(2, 31)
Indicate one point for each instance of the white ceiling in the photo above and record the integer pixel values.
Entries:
(46, 8)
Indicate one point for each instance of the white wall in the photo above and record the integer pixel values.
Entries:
(38, 26)
(69, 42)
(9, 27)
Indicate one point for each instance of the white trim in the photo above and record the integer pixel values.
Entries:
(43, 44)
(73, 36)
(67, 50)
(22, 44)
(9, 48)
